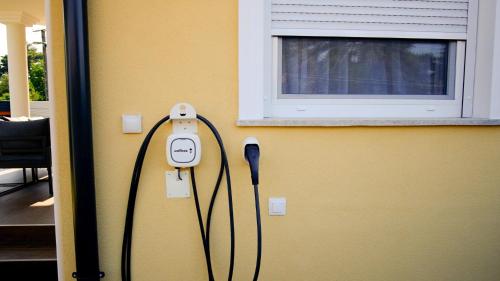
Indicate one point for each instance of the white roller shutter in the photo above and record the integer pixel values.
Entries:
(437, 18)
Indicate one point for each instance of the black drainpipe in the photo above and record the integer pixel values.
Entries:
(80, 129)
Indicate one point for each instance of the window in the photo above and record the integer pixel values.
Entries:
(356, 59)
(366, 77)
(313, 67)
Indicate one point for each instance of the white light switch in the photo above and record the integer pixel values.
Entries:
(132, 123)
(277, 206)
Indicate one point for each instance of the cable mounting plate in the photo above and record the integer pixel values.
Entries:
(183, 116)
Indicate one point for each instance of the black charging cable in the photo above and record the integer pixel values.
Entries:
(202, 228)
(259, 233)
(129, 220)
(223, 169)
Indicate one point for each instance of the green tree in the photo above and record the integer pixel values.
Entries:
(34, 94)
(36, 75)
(4, 87)
(4, 83)
(4, 66)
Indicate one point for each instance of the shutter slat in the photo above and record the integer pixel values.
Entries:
(435, 16)
(369, 27)
(410, 4)
(378, 11)
(366, 18)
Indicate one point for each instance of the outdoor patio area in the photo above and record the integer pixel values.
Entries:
(30, 205)
(27, 230)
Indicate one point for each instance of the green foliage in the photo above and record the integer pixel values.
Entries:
(4, 87)
(33, 55)
(4, 97)
(36, 74)
(4, 66)
(34, 94)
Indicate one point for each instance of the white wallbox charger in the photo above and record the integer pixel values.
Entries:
(183, 150)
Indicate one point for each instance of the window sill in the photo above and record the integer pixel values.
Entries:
(371, 122)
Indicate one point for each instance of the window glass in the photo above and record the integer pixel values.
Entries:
(361, 66)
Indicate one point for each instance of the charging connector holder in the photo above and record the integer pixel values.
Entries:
(183, 118)
(183, 145)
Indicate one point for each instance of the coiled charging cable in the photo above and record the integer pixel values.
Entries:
(205, 233)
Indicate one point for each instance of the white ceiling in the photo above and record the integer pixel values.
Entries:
(35, 8)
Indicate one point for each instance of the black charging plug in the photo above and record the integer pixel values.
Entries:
(251, 152)
(252, 155)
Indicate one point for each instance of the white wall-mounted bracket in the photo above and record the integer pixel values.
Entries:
(183, 116)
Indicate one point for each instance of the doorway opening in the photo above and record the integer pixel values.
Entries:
(27, 224)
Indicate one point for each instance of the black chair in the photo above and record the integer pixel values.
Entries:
(26, 144)
(4, 109)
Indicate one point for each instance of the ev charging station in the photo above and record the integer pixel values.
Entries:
(183, 153)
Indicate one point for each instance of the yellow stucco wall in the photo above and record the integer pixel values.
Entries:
(363, 203)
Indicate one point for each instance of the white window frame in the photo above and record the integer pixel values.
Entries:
(257, 99)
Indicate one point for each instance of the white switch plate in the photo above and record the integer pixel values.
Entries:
(175, 187)
(132, 123)
(277, 206)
